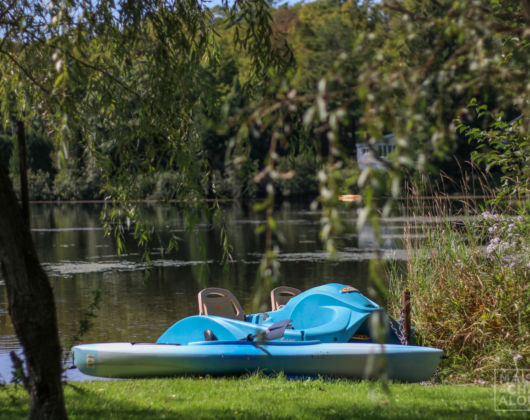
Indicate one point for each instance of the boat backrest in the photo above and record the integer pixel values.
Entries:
(281, 295)
(219, 302)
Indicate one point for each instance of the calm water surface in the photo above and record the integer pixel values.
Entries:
(139, 302)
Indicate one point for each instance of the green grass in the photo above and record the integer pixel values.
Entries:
(263, 397)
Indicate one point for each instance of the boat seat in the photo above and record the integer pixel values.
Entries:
(220, 302)
(281, 295)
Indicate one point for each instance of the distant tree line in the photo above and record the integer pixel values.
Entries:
(316, 38)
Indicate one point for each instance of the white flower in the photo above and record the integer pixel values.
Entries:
(489, 216)
(492, 246)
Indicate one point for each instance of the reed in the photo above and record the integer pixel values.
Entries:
(470, 288)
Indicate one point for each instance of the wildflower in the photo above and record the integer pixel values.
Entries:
(503, 246)
(489, 216)
(492, 246)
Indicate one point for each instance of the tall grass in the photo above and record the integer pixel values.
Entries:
(470, 291)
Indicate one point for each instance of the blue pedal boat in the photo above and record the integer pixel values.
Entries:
(315, 333)
(302, 358)
(331, 313)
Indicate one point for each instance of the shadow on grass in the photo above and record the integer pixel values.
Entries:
(258, 398)
(320, 403)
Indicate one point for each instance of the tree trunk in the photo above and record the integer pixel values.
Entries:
(31, 307)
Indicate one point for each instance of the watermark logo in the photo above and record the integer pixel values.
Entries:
(512, 389)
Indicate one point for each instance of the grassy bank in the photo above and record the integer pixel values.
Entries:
(470, 292)
(263, 397)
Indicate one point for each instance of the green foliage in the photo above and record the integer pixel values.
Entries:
(413, 83)
(124, 82)
(164, 186)
(417, 81)
(302, 180)
(77, 183)
(470, 294)
(40, 185)
(321, 31)
(39, 149)
(6, 149)
(504, 147)
(236, 182)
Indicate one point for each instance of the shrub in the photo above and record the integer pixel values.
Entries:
(166, 185)
(304, 180)
(74, 184)
(235, 182)
(40, 185)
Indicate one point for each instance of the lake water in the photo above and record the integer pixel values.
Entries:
(140, 302)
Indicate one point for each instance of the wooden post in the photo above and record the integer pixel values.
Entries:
(24, 195)
(405, 307)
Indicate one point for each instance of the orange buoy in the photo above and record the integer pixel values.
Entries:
(349, 197)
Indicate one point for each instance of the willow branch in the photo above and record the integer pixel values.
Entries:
(26, 72)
